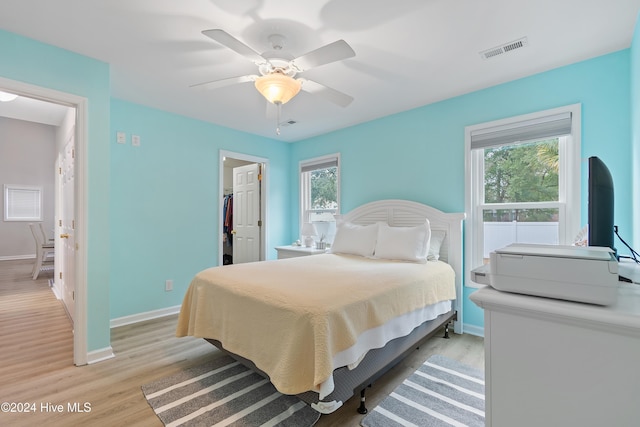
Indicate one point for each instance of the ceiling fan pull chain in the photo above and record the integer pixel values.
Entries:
(279, 105)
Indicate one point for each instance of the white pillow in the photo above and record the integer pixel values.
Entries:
(403, 243)
(354, 239)
(437, 237)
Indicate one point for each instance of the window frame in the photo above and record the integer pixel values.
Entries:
(569, 181)
(305, 187)
(8, 188)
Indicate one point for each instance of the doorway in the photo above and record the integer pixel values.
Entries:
(76, 126)
(242, 227)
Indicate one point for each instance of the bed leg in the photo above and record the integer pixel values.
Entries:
(446, 331)
(362, 409)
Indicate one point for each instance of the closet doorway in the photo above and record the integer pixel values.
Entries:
(242, 208)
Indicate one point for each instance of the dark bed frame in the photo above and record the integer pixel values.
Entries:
(377, 362)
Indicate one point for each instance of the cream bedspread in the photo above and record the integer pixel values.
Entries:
(291, 316)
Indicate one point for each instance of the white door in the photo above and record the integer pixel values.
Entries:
(246, 213)
(66, 226)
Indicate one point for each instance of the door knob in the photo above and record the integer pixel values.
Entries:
(233, 231)
(64, 236)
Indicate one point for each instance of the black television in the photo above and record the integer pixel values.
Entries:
(600, 205)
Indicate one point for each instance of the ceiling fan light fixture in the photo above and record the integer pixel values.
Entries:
(278, 88)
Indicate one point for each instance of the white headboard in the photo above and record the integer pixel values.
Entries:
(405, 213)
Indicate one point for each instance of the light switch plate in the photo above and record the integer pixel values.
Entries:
(135, 140)
(121, 138)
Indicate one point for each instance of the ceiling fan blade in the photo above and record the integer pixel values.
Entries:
(332, 52)
(335, 96)
(225, 82)
(234, 44)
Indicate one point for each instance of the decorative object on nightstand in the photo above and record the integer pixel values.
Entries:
(321, 244)
(308, 231)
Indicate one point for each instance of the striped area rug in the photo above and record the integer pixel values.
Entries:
(442, 392)
(224, 392)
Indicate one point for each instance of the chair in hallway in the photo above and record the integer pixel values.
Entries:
(44, 251)
(45, 239)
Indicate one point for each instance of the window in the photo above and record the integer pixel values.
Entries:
(22, 203)
(523, 182)
(320, 194)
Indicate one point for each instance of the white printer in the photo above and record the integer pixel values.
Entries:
(574, 273)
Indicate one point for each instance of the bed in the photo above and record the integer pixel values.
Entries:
(325, 326)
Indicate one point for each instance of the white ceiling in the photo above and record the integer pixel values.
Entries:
(34, 110)
(409, 53)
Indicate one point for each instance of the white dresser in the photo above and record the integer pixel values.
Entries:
(558, 363)
(296, 251)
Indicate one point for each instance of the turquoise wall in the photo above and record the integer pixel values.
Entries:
(153, 209)
(635, 132)
(419, 154)
(165, 197)
(42, 65)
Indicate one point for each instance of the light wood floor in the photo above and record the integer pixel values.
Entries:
(36, 362)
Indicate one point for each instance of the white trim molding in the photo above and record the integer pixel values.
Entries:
(264, 188)
(473, 330)
(569, 181)
(17, 257)
(142, 317)
(100, 355)
(80, 336)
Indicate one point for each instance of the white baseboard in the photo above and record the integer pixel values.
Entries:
(473, 330)
(54, 289)
(17, 257)
(100, 355)
(141, 317)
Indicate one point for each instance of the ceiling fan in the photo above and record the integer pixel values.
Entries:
(278, 68)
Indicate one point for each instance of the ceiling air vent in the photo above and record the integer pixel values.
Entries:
(288, 123)
(505, 48)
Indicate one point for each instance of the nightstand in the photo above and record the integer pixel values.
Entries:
(296, 251)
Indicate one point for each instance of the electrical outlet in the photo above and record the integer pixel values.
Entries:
(168, 285)
(121, 137)
(135, 140)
